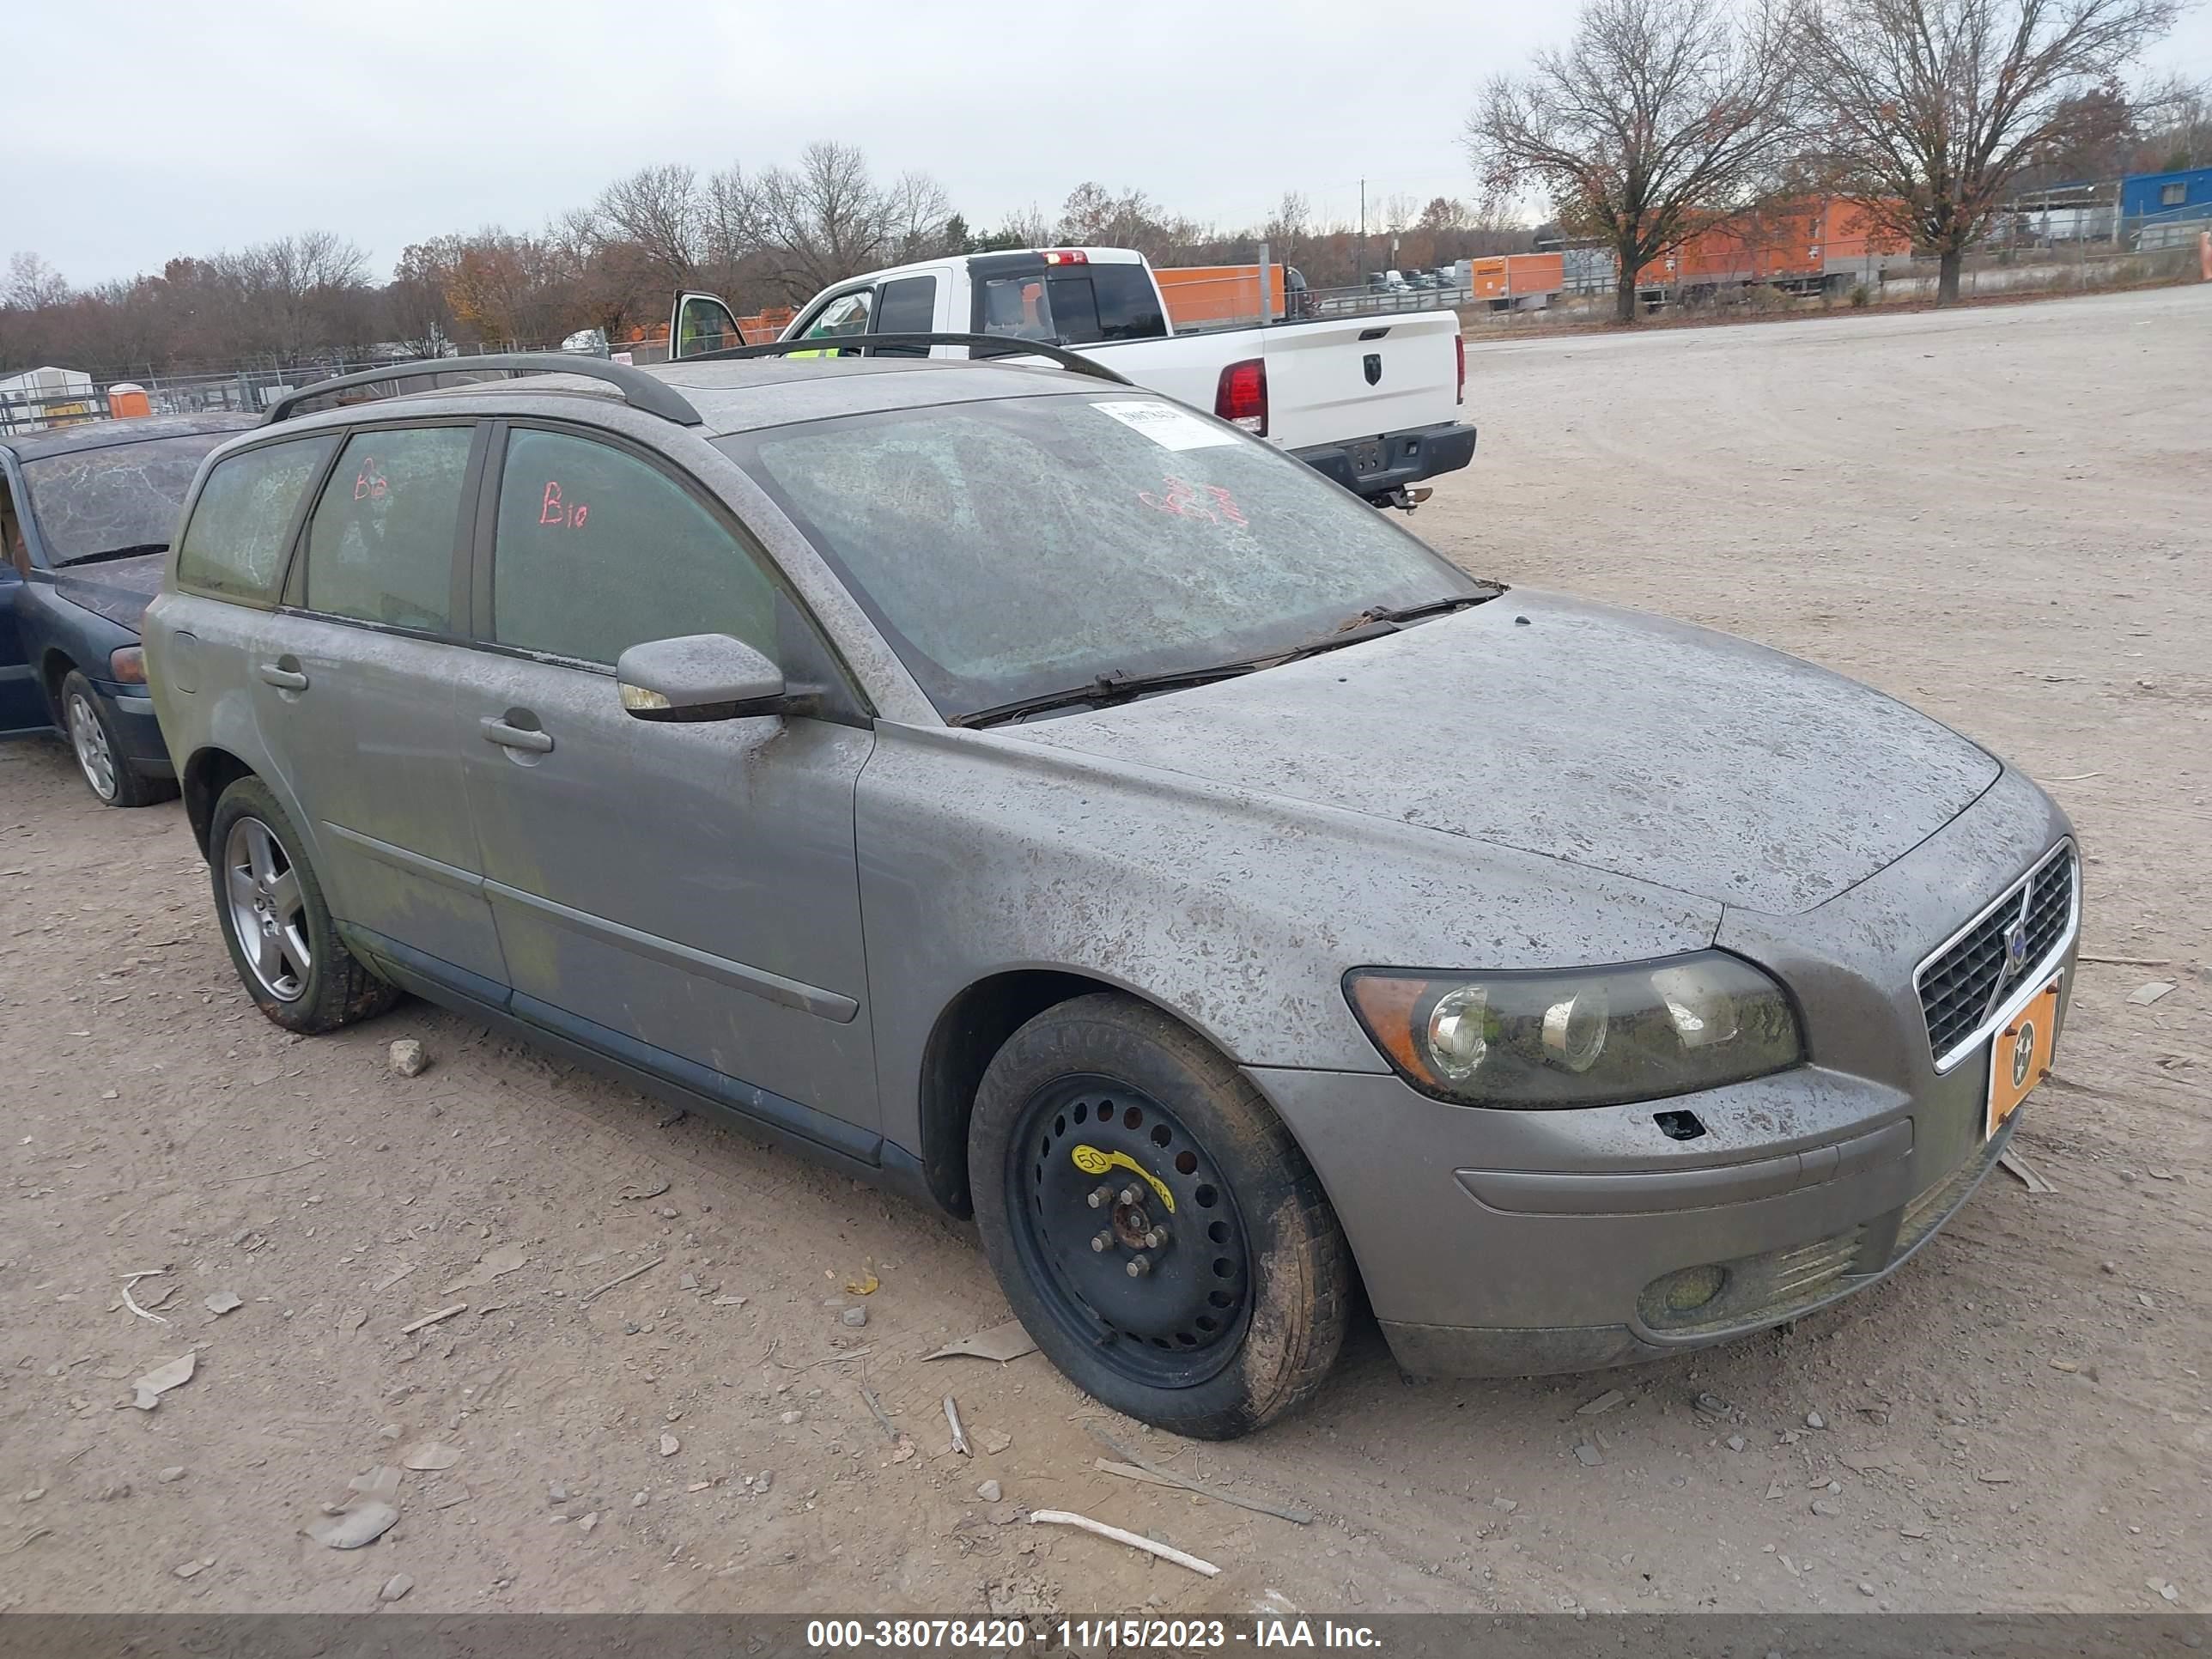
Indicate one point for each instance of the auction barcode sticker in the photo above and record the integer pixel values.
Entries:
(1164, 424)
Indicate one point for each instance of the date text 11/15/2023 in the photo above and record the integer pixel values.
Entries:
(1086, 1635)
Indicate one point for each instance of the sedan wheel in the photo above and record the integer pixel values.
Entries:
(1130, 1232)
(1155, 1227)
(90, 738)
(268, 912)
(275, 921)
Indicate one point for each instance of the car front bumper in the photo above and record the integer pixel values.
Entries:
(132, 709)
(1501, 1243)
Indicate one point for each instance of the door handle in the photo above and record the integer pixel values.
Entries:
(496, 730)
(284, 680)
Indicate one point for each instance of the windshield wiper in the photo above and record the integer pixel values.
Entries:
(1371, 623)
(1378, 620)
(108, 553)
(1111, 688)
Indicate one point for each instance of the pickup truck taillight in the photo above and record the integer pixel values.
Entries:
(1242, 396)
(1458, 352)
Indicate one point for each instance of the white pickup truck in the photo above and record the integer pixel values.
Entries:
(1373, 401)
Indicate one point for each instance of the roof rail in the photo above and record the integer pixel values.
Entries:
(1000, 346)
(640, 390)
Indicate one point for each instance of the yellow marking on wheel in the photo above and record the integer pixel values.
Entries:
(1091, 1161)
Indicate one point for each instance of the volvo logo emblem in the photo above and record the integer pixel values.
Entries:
(2015, 947)
(1373, 363)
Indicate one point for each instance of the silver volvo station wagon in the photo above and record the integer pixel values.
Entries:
(1035, 793)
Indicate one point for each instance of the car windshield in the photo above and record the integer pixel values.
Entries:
(1017, 548)
(90, 501)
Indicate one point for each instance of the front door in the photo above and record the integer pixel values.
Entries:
(685, 897)
(353, 686)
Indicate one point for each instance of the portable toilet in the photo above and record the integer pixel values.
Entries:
(126, 399)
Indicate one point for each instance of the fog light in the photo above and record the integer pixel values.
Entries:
(1686, 1291)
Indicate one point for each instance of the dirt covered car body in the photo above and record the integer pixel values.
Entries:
(1033, 792)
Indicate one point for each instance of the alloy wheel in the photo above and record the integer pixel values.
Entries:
(90, 738)
(268, 912)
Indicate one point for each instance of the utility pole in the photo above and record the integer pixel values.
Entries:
(1363, 233)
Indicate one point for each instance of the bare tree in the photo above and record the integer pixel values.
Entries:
(1288, 225)
(1660, 119)
(826, 218)
(1928, 109)
(657, 212)
(33, 284)
(2175, 116)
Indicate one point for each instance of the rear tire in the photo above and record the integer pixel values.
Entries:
(278, 924)
(1101, 1126)
(100, 759)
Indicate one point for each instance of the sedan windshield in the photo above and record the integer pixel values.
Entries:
(121, 496)
(1015, 550)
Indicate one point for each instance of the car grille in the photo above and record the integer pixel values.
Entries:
(1959, 986)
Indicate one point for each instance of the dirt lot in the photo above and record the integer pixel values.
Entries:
(2000, 515)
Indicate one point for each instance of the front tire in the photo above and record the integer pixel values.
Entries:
(1154, 1225)
(101, 759)
(278, 924)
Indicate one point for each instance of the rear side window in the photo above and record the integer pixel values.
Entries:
(242, 526)
(381, 545)
(597, 551)
(907, 306)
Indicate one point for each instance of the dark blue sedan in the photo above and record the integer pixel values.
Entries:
(86, 513)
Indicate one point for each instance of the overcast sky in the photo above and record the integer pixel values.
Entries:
(134, 132)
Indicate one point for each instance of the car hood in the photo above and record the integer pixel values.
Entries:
(119, 590)
(1651, 749)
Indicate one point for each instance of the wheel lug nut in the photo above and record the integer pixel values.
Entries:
(1102, 1242)
(1139, 1266)
(1156, 1238)
(1128, 1194)
(1100, 1197)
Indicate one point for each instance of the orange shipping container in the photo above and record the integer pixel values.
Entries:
(1217, 293)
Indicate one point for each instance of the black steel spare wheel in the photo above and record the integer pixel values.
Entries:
(1130, 1231)
(1155, 1227)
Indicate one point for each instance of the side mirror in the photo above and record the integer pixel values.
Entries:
(698, 677)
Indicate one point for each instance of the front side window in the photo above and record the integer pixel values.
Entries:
(380, 545)
(846, 314)
(598, 551)
(1017, 548)
(242, 524)
(117, 499)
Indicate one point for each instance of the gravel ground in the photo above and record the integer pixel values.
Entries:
(2000, 515)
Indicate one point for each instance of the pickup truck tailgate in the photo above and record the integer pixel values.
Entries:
(1331, 381)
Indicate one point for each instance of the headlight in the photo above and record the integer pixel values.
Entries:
(1584, 1037)
(128, 664)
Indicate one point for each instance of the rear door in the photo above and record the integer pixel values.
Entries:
(685, 897)
(22, 704)
(353, 689)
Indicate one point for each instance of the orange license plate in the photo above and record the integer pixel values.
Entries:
(2019, 1056)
